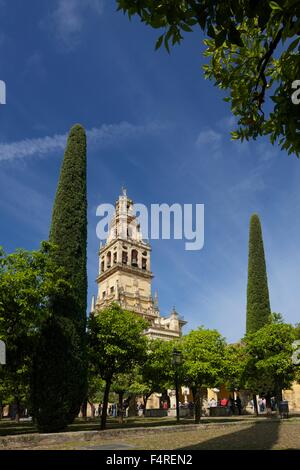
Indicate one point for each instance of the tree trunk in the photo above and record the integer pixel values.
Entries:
(105, 403)
(278, 396)
(120, 410)
(268, 404)
(132, 406)
(18, 411)
(255, 404)
(84, 409)
(145, 399)
(198, 403)
(92, 409)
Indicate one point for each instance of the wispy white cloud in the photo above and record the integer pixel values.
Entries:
(253, 182)
(31, 147)
(209, 136)
(267, 151)
(107, 134)
(68, 19)
(227, 123)
(210, 140)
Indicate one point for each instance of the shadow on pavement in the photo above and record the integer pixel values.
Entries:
(259, 435)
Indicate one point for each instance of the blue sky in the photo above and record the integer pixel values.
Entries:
(156, 126)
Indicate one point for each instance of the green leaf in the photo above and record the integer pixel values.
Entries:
(275, 6)
(159, 42)
(186, 28)
(166, 42)
(234, 36)
(293, 45)
(211, 32)
(220, 38)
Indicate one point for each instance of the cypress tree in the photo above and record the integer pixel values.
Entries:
(59, 381)
(69, 220)
(258, 303)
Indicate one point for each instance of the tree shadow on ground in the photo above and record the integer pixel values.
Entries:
(261, 436)
(10, 428)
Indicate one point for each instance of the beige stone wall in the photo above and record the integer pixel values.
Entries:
(293, 397)
(130, 283)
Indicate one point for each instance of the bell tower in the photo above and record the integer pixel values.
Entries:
(125, 273)
(124, 264)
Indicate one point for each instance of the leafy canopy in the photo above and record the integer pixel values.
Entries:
(116, 343)
(253, 50)
(203, 358)
(27, 281)
(269, 366)
(156, 373)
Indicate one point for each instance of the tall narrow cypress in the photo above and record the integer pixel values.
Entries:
(59, 380)
(69, 220)
(258, 303)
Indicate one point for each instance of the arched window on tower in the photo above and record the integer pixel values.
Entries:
(144, 263)
(134, 258)
(115, 257)
(124, 257)
(108, 259)
(102, 265)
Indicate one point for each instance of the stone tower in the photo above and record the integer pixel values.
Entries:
(125, 273)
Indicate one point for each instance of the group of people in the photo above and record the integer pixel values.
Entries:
(262, 404)
(113, 409)
(232, 405)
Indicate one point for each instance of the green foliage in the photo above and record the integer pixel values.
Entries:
(258, 303)
(95, 386)
(27, 281)
(122, 383)
(116, 345)
(59, 382)
(297, 331)
(64, 338)
(203, 358)
(115, 341)
(268, 367)
(157, 372)
(276, 318)
(203, 363)
(253, 50)
(69, 224)
(235, 362)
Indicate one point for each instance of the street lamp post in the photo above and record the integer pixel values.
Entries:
(176, 362)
